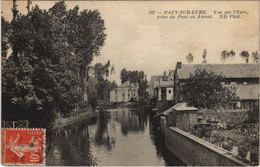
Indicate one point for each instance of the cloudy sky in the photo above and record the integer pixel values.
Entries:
(138, 41)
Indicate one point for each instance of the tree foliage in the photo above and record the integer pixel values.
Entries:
(189, 58)
(6, 31)
(165, 76)
(255, 56)
(245, 55)
(204, 89)
(225, 55)
(204, 55)
(46, 71)
(103, 86)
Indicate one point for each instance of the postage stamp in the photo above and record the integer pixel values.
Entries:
(23, 146)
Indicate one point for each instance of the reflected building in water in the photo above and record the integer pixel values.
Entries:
(118, 137)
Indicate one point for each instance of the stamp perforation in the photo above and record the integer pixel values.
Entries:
(16, 148)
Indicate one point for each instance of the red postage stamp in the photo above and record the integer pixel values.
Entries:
(23, 147)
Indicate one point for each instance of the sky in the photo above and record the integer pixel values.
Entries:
(139, 41)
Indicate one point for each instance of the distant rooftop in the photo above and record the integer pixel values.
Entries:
(164, 83)
(179, 107)
(127, 84)
(245, 92)
(227, 70)
(154, 79)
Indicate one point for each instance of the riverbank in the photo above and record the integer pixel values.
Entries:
(62, 122)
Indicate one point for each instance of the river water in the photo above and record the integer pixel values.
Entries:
(116, 137)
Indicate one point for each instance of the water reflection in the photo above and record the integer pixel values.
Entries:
(103, 137)
(115, 137)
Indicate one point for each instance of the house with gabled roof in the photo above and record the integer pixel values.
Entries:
(242, 77)
(161, 87)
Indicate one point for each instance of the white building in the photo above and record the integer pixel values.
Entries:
(164, 90)
(124, 92)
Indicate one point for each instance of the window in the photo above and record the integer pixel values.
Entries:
(116, 90)
(170, 91)
(123, 95)
(163, 93)
(134, 94)
(134, 90)
(128, 96)
(128, 90)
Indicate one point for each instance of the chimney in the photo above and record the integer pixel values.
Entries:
(178, 66)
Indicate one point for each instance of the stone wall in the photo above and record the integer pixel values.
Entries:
(163, 125)
(194, 151)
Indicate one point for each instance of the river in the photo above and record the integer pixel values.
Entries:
(116, 137)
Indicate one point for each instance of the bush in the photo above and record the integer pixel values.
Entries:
(253, 116)
(254, 156)
(242, 151)
(93, 101)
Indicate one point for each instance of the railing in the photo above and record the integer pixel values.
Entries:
(15, 124)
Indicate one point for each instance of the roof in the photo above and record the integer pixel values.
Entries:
(246, 92)
(164, 84)
(179, 107)
(154, 79)
(227, 70)
(127, 84)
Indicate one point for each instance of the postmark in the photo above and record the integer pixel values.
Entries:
(23, 146)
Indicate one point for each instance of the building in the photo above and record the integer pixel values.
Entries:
(161, 87)
(124, 92)
(181, 116)
(151, 86)
(164, 90)
(242, 77)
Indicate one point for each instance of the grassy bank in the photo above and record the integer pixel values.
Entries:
(61, 122)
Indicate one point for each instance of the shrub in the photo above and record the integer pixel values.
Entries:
(242, 151)
(254, 156)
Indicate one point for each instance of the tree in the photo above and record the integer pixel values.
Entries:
(103, 86)
(124, 75)
(165, 76)
(225, 55)
(112, 70)
(232, 53)
(204, 55)
(204, 89)
(189, 58)
(6, 31)
(245, 55)
(255, 56)
(47, 69)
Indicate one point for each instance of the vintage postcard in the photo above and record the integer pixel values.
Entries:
(130, 83)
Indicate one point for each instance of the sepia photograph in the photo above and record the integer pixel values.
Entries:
(129, 83)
